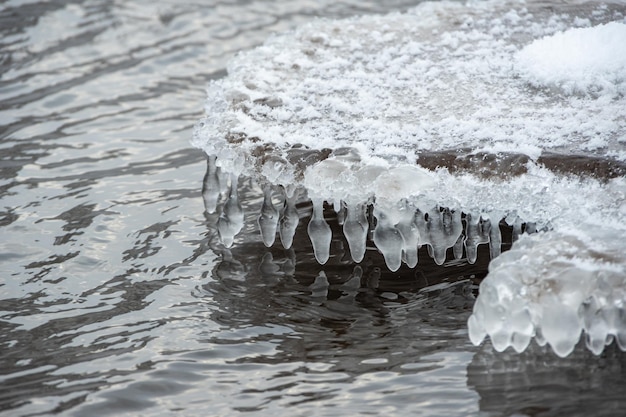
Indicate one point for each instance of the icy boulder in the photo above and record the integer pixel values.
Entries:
(553, 287)
(428, 128)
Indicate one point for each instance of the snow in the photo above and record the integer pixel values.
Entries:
(579, 60)
(440, 122)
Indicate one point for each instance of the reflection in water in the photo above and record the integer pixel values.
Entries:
(361, 327)
(539, 383)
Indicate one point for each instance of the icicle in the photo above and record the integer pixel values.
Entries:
(319, 233)
(211, 185)
(410, 234)
(223, 177)
(337, 205)
(530, 228)
(517, 229)
(457, 249)
(231, 220)
(289, 220)
(476, 232)
(440, 231)
(290, 190)
(268, 219)
(388, 240)
(341, 214)
(495, 240)
(355, 230)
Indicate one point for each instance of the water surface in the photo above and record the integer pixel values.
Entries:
(116, 297)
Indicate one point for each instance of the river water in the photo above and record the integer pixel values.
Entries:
(116, 297)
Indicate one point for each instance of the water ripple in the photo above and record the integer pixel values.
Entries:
(115, 294)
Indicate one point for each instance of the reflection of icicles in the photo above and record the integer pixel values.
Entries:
(319, 288)
(268, 219)
(288, 221)
(230, 267)
(319, 233)
(372, 280)
(355, 229)
(440, 229)
(352, 285)
(231, 220)
(350, 288)
(267, 267)
(477, 231)
(388, 240)
(272, 270)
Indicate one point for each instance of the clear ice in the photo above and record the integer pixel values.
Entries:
(288, 222)
(375, 117)
(388, 239)
(268, 219)
(441, 229)
(355, 228)
(230, 221)
(214, 185)
(320, 233)
(396, 230)
(554, 287)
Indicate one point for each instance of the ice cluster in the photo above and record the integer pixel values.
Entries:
(430, 128)
(554, 286)
(397, 229)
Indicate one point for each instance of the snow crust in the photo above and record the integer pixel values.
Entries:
(349, 112)
(442, 76)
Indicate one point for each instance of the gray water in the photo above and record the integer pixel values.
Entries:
(116, 297)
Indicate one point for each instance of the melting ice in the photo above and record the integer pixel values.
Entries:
(432, 128)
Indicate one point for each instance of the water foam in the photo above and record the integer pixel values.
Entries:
(431, 128)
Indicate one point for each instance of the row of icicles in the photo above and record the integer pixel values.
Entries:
(398, 232)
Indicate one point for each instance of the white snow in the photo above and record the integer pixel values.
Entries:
(342, 111)
(579, 60)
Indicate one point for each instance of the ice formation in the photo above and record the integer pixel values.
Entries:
(431, 128)
(554, 286)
